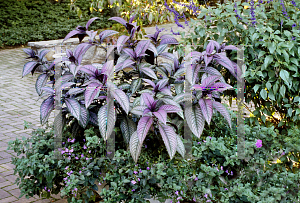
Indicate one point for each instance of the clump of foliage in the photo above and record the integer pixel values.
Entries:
(269, 32)
(39, 20)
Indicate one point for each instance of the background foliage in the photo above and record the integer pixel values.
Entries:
(29, 20)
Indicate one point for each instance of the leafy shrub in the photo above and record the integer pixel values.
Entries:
(38, 20)
(271, 55)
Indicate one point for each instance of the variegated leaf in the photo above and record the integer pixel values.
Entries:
(161, 48)
(111, 117)
(136, 84)
(184, 97)
(195, 120)
(84, 116)
(138, 110)
(141, 47)
(153, 49)
(29, 66)
(106, 33)
(75, 91)
(73, 107)
(180, 72)
(102, 120)
(207, 109)
(121, 41)
(170, 108)
(91, 92)
(161, 115)
(180, 146)
(223, 111)
(122, 99)
(143, 127)
(46, 107)
(41, 82)
(128, 127)
(170, 139)
(135, 146)
(149, 72)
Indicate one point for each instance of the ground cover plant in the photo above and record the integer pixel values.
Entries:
(40, 20)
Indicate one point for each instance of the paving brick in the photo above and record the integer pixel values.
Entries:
(43, 201)
(4, 194)
(8, 166)
(15, 192)
(11, 178)
(5, 185)
(5, 155)
(24, 200)
(8, 199)
(10, 186)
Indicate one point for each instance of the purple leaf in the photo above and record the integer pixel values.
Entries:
(119, 20)
(66, 85)
(161, 48)
(210, 47)
(209, 80)
(75, 91)
(149, 82)
(128, 127)
(135, 146)
(143, 127)
(30, 52)
(161, 115)
(219, 86)
(230, 47)
(167, 55)
(66, 77)
(138, 110)
(73, 107)
(207, 109)
(69, 53)
(166, 91)
(102, 120)
(80, 50)
(162, 83)
(90, 21)
(149, 72)
(91, 93)
(169, 41)
(106, 33)
(108, 68)
(130, 52)
(72, 33)
(224, 61)
(132, 18)
(84, 116)
(148, 99)
(122, 99)
(89, 69)
(216, 44)
(170, 139)
(153, 49)
(93, 118)
(41, 82)
(195, 120)
(42, 53)
(111, 117)
(125, 64)
(121, 41)
(91, 34)
(141, 47)
(147, 112)
(223, 111)
(207, 60)
(29, 66)
(170, 108)
(46, 107)
(74, 69)
(48, 90)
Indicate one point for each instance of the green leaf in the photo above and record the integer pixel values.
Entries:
(268, 60)
(233, 20)
(271, 95)
(286, 56)
(275, 88)
(282, 91)
(272, 47)
(255, 88)
(113, 184)
(263, 94)
(285, 76)
(261, 53)
(295, 61)
(268, 85)
(287, 33)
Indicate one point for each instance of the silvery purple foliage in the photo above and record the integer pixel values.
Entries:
(89, 97)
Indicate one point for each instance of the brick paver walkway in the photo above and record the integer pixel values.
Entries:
(17, 103)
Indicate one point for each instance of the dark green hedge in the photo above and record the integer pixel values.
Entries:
(35, 20)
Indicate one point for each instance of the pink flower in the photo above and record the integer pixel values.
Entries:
(135, 172)
(84, 147)
(258, 144)
(176, 192)
(133, 182)
(196, 179)
(139, 179)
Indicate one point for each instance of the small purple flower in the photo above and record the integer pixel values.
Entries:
(63, 143)
(222, 168)
(45, 188)
(75, 189)
(79, 171)
(135, 172)
(196, 178)
(133, 190)
(100, 184)
(204, 141)
(48, 190)
(139, 179)
(72, 141)
(179, 198)
(90, 151)
(76, 158)
(199, 142)
(68, 139)
(217, 168)
(226, 189)
(176, 192)
(140, 170)
(226, 171)
(283, 153)
(84, 147)
(67, 168)
(294, 25)
(205, 196)
(84, 140)
(258, 144)
(231, 173)
(148, 168)
(133, 182)
(82, 155)
(194, 199)
(86, 158)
